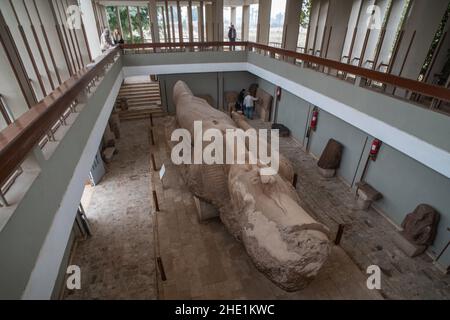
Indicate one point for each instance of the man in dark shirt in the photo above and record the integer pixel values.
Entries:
(232, 36)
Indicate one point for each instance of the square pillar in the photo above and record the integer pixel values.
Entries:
(264, 21)
(233, 16)
(291, 24)
(153, 16)
(190, 26)
(218, 20)
(245, 22)
(209, 22)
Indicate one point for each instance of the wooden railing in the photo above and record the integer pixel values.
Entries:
(20, 137)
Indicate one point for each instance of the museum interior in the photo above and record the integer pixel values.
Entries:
(100, 99)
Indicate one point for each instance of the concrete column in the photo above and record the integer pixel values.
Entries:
(167, 20)
(180, 22)
(17, 95)
(338, 16)
(153, 15)
(264, 22)
(233, 16)
(209, 22)
(245, 22)
(190, 25)
(218, 20)
(201, 28)
(291, 24)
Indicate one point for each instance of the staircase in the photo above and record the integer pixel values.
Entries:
(143, 100)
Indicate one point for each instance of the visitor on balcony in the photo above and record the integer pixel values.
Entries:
(232, 36)
(117, 37)
(106, 42)
(249, 105)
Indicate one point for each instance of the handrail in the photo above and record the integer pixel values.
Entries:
(426, 89)
(20, 137)
(184, 44)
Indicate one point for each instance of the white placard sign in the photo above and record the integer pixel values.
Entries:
(162, 172)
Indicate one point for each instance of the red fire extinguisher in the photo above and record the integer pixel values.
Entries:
(314, 119)
(278, 93)
(374, 149)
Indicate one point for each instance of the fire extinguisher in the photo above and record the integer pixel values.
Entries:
(374, 149)
(314, 119)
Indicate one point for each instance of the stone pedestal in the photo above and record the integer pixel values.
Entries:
(327, 173)
(366, 195)
(108, 154)
(330, 159)
(409, 248)
(205, 211)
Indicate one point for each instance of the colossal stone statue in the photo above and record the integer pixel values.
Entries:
(263, 212)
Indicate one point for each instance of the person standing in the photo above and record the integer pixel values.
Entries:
(249, 105)
(232, 36)
(117, 37)
(240, 101)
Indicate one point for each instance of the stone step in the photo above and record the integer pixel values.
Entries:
(144, 103)
(138, 94)
(142, 116)
(137, 85)
(143, 98)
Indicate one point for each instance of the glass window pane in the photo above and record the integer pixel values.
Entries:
(145, 21)
(303, 25)
(276, 22)
(125, 26)
(253, 25)
(113, 22)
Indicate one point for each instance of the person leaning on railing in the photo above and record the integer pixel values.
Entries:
(106, 41)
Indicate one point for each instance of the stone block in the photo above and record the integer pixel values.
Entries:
(409, 248)
(205, 211)
(108, 154)
(366, 195)
(327, 173)
(363, 204)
